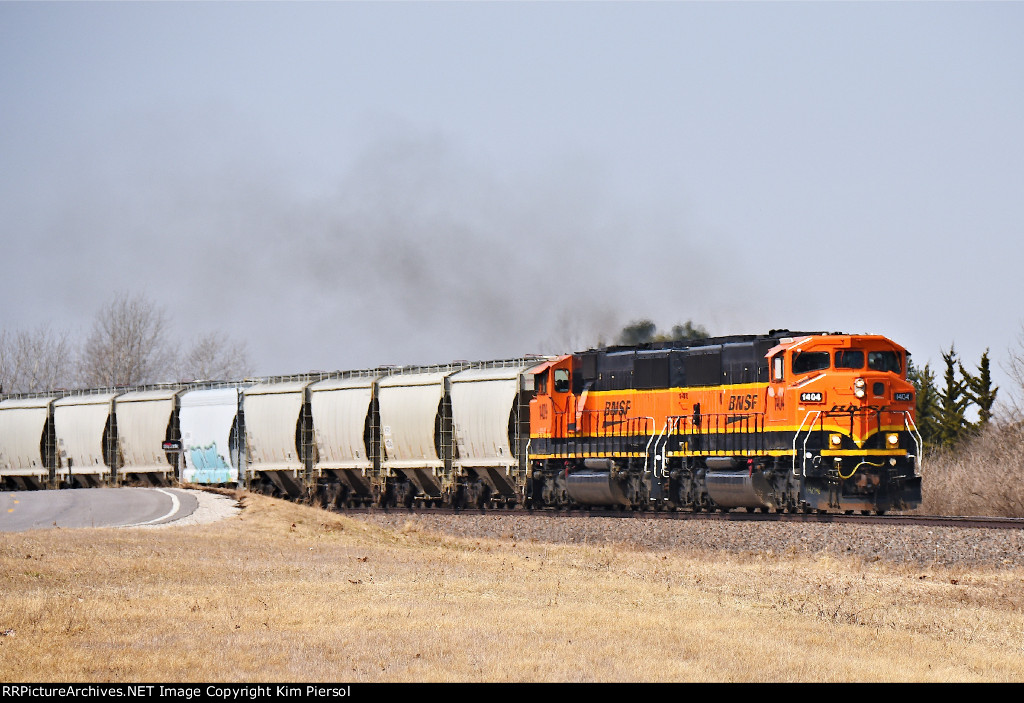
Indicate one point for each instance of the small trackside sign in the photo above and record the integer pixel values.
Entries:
(812, 397)
(171, 445)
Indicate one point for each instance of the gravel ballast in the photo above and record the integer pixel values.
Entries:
(911, 544)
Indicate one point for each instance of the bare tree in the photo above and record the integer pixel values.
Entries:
(36, 360)
(215, 357)
(129, 344)
(1011, 406)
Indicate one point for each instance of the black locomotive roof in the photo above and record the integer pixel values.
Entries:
(708, 341)
(677, 363)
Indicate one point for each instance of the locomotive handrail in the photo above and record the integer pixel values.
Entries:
(727, 432)
(911, 426)
(908, 423)
(666, 432)
(817, 414)
(673, 421)
(619, 435)
(647, 449)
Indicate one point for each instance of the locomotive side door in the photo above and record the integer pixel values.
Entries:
(562, 397)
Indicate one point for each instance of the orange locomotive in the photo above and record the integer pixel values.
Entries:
(786, 421)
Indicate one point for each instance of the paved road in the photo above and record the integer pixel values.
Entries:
(93, 507)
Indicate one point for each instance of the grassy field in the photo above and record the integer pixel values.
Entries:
(290, 593)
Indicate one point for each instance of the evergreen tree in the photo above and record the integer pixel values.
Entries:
(926, 397)
(953, 402)
(979, 390)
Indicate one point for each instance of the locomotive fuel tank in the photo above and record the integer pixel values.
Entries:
(731, 485)
(596, 484)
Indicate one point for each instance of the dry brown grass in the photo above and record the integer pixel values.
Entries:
(286, 592)
(984, 475)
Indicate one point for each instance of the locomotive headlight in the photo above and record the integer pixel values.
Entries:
(835, 441)
(859, 388)
(892, 440)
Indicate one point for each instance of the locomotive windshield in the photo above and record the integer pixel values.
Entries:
(805, 362)
(849, 359)
(884, 361)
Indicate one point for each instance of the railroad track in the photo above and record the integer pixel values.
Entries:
(732, 516)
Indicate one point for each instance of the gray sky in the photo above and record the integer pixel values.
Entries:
(349, 184)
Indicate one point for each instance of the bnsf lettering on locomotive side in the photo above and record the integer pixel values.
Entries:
(743, 402)
(621, 407)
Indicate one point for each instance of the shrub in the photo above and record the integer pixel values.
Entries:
(982, 475)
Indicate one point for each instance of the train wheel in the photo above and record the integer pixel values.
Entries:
(407, 494)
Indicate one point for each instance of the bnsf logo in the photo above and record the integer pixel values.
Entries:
(743, 402)
(817, 397)
(613, 408)
(616, 409)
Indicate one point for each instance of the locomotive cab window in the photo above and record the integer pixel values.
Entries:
(561, 380)
(884, 361)
(777, 368)
(541, 381)
(806, 362)
(849, 359)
